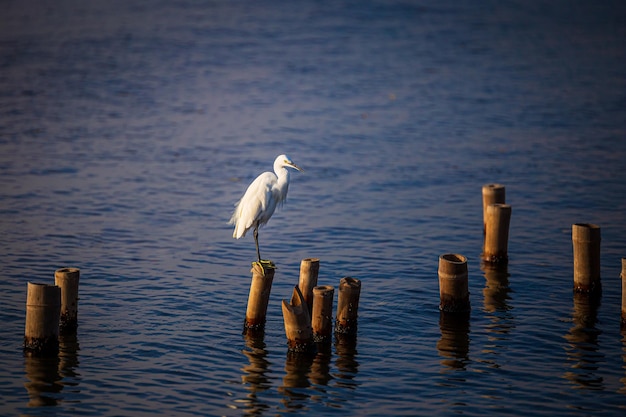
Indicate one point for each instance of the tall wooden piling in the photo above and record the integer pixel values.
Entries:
(623, 276)
(492, 194)
(309, 270)
(260, 288)
(298, 323)
(586, 244)
(497, 220)
(43, 308)
(321, 318)
(348, 306)
(67, 279)
(453, 283)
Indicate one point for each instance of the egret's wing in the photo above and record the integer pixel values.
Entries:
(254, 205)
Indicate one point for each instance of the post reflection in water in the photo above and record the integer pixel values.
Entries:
(296, 380)
(623, 379)
(495, 300)
(48, 376)
(583, 354)
(255, 374)
(308, 375)
(347, 365)
(453, 345)
(44, 382)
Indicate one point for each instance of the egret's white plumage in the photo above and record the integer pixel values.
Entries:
(264, 194)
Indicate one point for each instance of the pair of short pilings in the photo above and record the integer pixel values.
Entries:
(51, 310)
(496, 220)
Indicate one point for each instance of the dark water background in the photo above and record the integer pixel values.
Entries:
(128, 130)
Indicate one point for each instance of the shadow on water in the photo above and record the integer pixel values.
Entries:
(583, 355)
(48, 375)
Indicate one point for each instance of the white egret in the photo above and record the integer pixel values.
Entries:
(258, 203)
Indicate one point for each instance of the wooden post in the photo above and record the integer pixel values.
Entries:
(309, 269)
(586, 243)
(321, 320)
(298, 323)
(43, 308)
(453, 286)
(623, 276)
(492, 194)
(497, 219)
(260, 288)
(348, 306)
(67, 280)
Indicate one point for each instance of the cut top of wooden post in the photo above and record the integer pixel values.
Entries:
(493, 194)
(585, 232)
(72, 273)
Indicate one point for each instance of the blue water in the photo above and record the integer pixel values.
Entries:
(129, 129)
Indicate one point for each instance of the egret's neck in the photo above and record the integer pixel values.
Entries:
(283, 180)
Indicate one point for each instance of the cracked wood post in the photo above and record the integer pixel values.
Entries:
(298, 323)
(260, 288)
(321, 319)
(309, 269)
(586, 244)
(497, 220)
(453, 285)
(348, 306)
(492, 194)
(67, 279)
(43, 309)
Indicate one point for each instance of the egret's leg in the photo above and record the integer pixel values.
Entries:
(256, 241)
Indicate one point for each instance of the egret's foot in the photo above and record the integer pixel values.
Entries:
(265, 263)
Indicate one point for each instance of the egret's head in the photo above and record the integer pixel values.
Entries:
(285, 161)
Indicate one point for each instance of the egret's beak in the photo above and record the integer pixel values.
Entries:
(294, 166)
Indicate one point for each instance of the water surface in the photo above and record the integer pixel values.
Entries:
(129, 129)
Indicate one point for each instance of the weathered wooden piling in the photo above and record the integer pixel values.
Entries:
(623, 276)
(492, 194)
(309, 270)
(298, 323)
(260, 288)
(586, 244)
(67, 279)
(453, 283)
(43, 308)
(321, 318)
(348, 306)
(497, 220)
